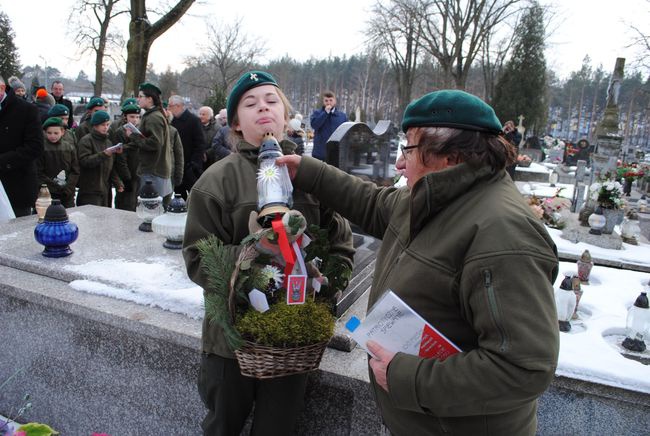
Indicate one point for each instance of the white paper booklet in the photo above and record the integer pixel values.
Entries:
(398, 328)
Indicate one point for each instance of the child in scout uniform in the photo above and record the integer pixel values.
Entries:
(220, 204)
(58, 166)
(154, 146)
(127, 161)
(95, 104)
(96, 164)
(62, 111)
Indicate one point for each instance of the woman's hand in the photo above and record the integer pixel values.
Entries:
(380, 364)
(292, 161)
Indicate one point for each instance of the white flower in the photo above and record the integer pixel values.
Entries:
(271, 272)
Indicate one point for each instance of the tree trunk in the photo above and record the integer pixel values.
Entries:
(142, 34)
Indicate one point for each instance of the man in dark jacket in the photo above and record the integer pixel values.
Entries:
(21, 143)
(210, 128)
(324, 122)
(191, 131)
(57, 92)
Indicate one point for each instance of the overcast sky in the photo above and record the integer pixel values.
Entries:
(304, 29)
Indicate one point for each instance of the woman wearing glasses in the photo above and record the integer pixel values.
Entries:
(462, 248)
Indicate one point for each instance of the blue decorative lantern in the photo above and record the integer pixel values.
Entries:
(56, 232)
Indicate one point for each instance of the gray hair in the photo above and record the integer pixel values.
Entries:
(2, 80)
(176, 99)
(209, 109)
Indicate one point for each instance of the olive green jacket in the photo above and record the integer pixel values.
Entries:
(155, 151)
(462, 249)
(97, 172)
(57, 157)
(220, 204)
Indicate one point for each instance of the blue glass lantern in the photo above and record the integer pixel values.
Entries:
(56, 232)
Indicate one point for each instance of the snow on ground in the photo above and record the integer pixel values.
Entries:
(584, 352)
(157, 283)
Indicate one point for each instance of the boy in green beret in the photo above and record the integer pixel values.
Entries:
(62, 111)
(126, 162)
(95, 104)
(58, 167)
(97, 164)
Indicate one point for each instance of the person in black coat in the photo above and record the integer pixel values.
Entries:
(191, 132)
(57, 92)
(21, 144)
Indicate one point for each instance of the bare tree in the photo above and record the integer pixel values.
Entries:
(142, 34)
(641, 41)
(454, 32)
(229, 52)
(91, 20)
(395, 27)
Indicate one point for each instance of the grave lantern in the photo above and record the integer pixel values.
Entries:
(585, 264)
(565, 302)
(56, 232)
(642, 204)
(43, 201)
(149, 206)
(638, 322)
(597, 222)
(171, 225)
(630, 230)
(274, 188)
(553, 177)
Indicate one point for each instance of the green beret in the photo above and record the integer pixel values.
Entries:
(165, 104)
(57, 110)
(95, 102)
(129, 101)
(147, 86)
(130, 109)
(248, 81)
(53, 121)
(451, 108)
(99, 117)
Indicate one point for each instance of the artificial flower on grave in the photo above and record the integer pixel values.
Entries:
(550, 209)
(523, 160)
(608, 194)
(629, 172)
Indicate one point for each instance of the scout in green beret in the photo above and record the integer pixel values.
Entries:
(248, 81)
(58, 110)
(149, 87)
(99, 117)
(221, 203)
(96, 102)
(130, 100)
(463, 249)
(53, 121)
(58, 166)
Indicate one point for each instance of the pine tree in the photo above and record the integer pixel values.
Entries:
(9, 64)
(522, 88)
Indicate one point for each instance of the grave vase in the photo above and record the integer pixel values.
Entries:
(612, 218)
(627, 187)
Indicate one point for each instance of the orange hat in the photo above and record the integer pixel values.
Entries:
(41, 93)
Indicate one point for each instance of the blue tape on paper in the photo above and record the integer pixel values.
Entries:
(352, 324)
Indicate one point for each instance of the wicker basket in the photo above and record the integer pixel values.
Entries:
(261, 361)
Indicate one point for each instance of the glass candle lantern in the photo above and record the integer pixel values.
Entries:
(638, 322)
(630, 230)
(43, 201)
(642, 204)
(553, 177)
(585, 264)
(597, 222)
(56, 232)
(149, 206)
(274, 188)
(565, 302)
(171, 224)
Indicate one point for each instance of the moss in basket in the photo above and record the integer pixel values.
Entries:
(288, 326)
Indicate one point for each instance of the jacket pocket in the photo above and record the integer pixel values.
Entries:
(493, 306)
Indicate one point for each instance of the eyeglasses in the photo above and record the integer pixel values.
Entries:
(405, 148)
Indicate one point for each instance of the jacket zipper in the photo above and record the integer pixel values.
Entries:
(494, 310)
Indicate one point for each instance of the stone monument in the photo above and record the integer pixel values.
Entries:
(608, 137)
